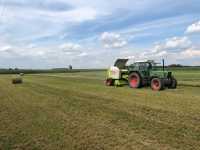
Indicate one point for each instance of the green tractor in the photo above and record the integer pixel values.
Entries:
(140, 74)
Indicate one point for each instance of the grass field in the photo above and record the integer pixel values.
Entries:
(76, 111)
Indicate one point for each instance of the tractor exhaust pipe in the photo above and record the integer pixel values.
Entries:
(163, 65)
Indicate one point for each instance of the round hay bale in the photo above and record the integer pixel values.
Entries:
(17, 80)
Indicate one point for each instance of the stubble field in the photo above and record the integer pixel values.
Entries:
(76, 111)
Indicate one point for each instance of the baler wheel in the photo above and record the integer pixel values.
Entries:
(109, 82)
(135, 80)
(157, 84)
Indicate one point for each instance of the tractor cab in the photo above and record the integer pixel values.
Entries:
(143, 66)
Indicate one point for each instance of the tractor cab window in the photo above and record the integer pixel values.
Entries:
(144, 66)
(154, 66)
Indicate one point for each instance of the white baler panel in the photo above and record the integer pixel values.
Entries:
(114, 73)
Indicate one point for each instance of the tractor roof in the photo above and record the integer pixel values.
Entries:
(145, 61)
(148, 61)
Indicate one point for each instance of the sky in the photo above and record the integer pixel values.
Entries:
(94, 33)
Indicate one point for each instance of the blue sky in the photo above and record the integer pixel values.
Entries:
(93, 33)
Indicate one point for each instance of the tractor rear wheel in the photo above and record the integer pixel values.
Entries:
(135, 80)
(109, 82)
(157, 84)
(173, 84)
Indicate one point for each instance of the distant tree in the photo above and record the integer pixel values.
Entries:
(175, 65)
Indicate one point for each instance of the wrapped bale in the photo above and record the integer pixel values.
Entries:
(17, 80)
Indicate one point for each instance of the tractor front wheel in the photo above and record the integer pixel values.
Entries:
(157, 84)
(135, 80)
(109, 82)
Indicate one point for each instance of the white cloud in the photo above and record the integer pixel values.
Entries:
(190, 53)
(83, 54)
(177, 43)
(146, 55)
(74, 15)
(112, 40)
(187, 55)
(173, 44)
(17, 10)
(5, 48)
(31, 45)
(70, 47)
(74, 50)
(82, 14)
(173, 49)
(66, 50)
(194, 28)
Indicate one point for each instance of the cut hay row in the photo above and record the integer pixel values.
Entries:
(189, 85)
(69, 76)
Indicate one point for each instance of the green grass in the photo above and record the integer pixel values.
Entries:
(188, 77)
(76, 111)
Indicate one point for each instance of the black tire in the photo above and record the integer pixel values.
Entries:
(109, 82)
(173, 84)
(135, 81)
(157, 84)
